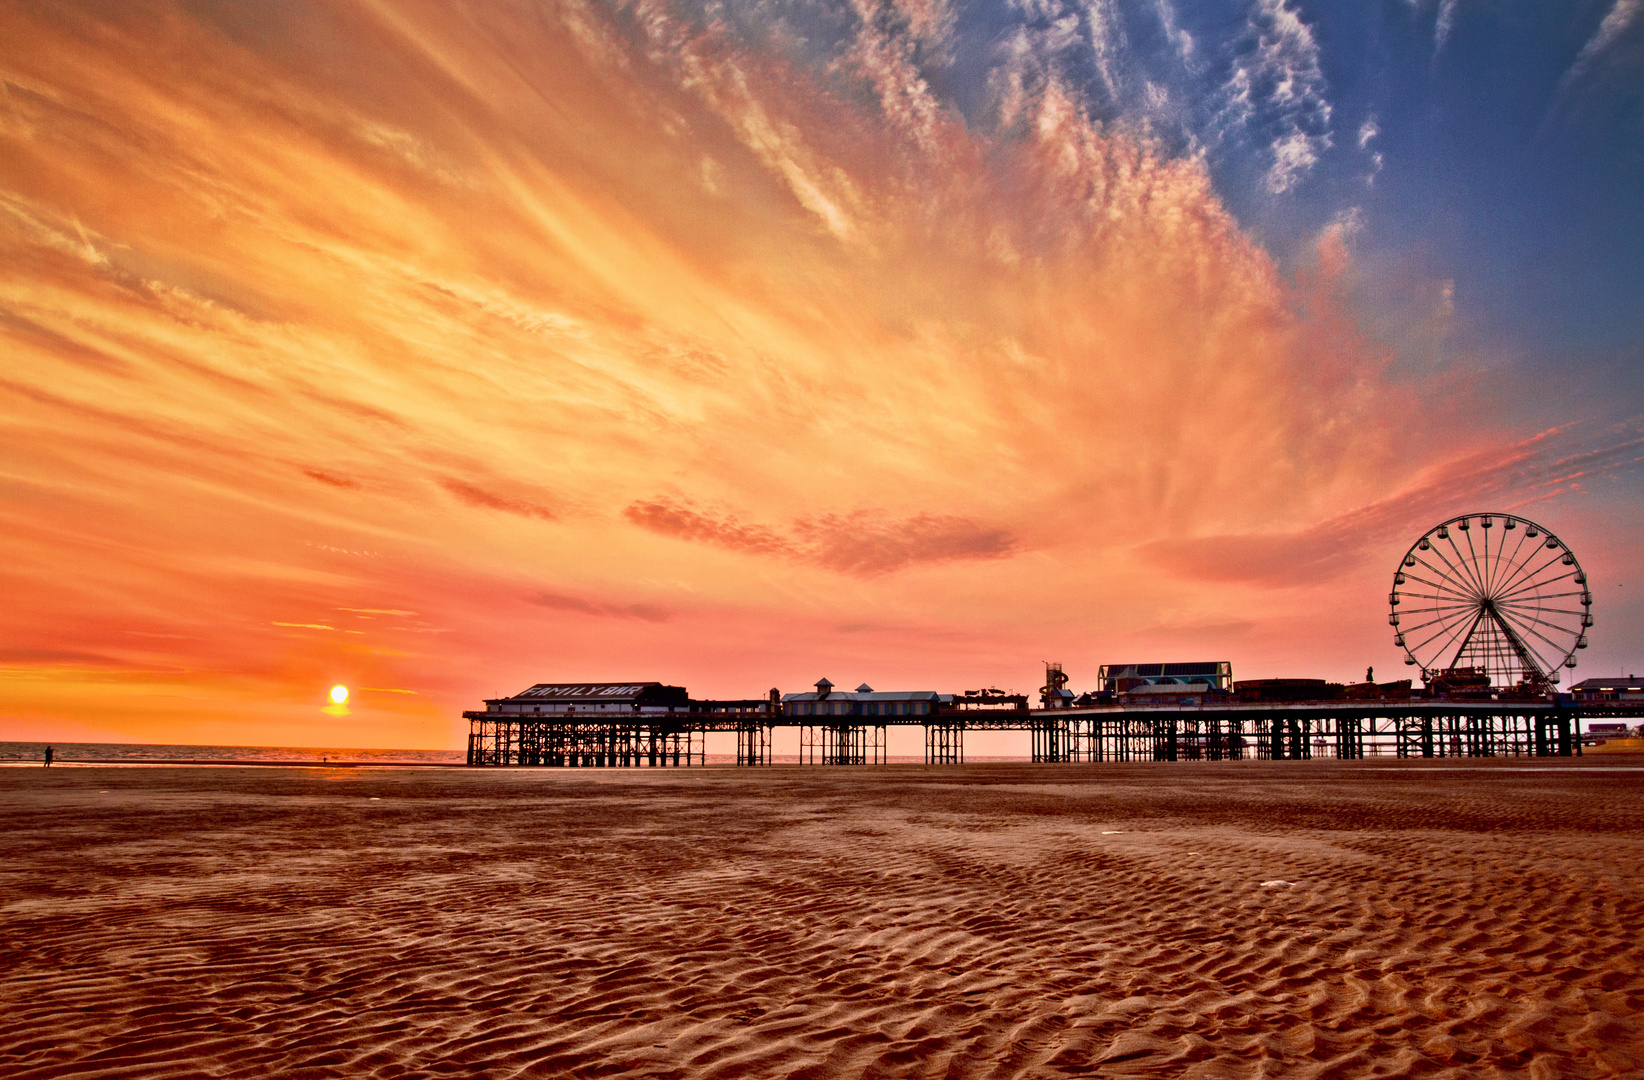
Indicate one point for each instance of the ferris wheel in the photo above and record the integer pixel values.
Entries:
(1490, 600)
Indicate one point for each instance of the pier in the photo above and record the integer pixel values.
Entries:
(1294, 731)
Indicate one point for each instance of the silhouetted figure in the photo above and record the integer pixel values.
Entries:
(48, 757)
(1369, 674)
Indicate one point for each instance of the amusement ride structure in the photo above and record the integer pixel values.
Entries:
(1490, 600)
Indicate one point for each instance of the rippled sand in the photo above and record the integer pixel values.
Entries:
(1192, 920)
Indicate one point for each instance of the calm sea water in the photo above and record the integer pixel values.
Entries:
(67, 753)
(141, 753)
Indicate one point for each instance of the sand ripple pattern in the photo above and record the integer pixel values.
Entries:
(1216, 920)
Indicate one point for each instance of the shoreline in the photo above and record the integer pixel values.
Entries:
(1375, 763)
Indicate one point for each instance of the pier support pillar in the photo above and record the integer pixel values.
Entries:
(945, 744)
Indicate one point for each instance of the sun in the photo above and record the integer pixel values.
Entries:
(339, 694)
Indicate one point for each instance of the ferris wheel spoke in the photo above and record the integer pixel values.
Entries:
(1444, 595)
(1443, 621)
(1528, 626)
(1535, 653)
(1444, 624)
(1472, 629)
(1442, 583)
(1522, 580)
(1481, 563)
(1547, 667)
(1512, 562)
(1558, 652)
(1450, 612)
(1529, 618)
(1521, 572)
(1446, 580)
(1541, 596)
(1457, 571)
(1539, 583)
(1472, 557)
(1455, 574)
(1460, 601)
(1524, 608)
(1448, 629)
(1509, 654)
(1463, 571)
(1491, 565)
(1522, 583)
(1503, 564)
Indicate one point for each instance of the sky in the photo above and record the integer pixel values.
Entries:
(437, 350)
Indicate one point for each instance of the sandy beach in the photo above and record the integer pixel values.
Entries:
(1193, 920)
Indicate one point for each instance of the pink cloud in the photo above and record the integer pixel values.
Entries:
(864, 543)
(669, 518)
(599, 608)
(476, 496)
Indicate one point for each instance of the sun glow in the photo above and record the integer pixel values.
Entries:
(339, 695)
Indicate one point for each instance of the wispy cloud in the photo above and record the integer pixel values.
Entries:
(1622, 16)
(600, 608)
(864, 543)
(330, 478)
(1277, 90)
(1531, 471)
(1368, 131)
(670, 518)
(476, 496)
(1444, 23)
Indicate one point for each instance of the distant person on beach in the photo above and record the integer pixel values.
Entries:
(48, 757)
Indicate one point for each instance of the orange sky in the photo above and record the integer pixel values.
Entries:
(437, 354)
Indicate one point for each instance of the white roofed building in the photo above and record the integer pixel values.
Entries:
(864, 702)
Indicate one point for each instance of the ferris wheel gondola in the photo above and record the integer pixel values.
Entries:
(1490, 600)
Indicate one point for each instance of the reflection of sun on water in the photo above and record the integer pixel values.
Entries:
(339, 702)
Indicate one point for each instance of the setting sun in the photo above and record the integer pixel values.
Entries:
(339, 694)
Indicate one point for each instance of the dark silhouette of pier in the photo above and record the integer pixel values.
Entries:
(1292, 731)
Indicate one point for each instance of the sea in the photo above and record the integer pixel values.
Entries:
(69, 753)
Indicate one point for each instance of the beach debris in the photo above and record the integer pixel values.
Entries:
(1278, 883)
(1111, 832)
